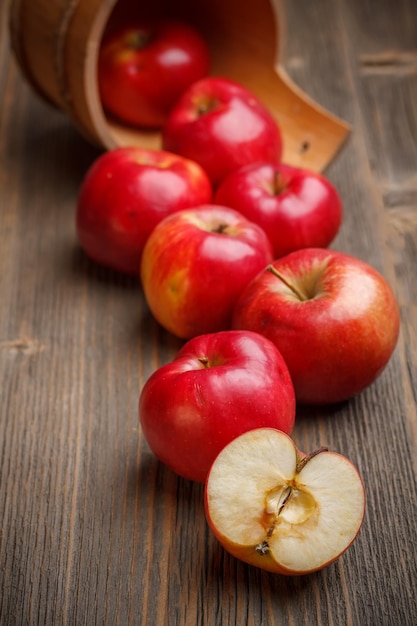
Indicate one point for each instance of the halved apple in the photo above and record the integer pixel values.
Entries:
(274, 507)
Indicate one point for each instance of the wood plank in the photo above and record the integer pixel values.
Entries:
(382, 148)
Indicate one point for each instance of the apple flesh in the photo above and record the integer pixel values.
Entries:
(279, 510)
(297, 208)
(218, 386)
(333, 317)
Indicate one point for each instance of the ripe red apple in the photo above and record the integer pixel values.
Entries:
(196, 263)
(144, 67)
(218, 386)
(281, 510)
(222, 126)
(333, 317)
(297, 208)
(125, 193)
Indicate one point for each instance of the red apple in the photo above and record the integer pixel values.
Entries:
(281, 510)
(144, 67)
(125, 193)
(296, 208)
(219, 386)
(222, 126)
(196, 263)
(333, 317)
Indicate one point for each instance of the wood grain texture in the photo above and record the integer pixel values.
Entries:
(93, 530)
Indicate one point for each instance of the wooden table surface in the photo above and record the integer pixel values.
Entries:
(93, 529)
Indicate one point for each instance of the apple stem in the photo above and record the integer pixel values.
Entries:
(139, 39)
(280, 183)
(220, 229)
(302, 462)
(206, 105)
(301, 295)
(203, 108)
(204, 361)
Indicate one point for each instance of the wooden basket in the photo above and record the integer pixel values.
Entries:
(56, 45)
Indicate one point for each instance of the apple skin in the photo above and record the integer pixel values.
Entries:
(145, 66)
(223, 126)
(218, 386)
(297, 208)
(333, 317)
(196, 263)
(125, 193)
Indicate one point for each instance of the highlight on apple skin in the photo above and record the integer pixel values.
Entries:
(333, 317)
(280, 510)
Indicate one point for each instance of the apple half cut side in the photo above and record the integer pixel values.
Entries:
(277, 509)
